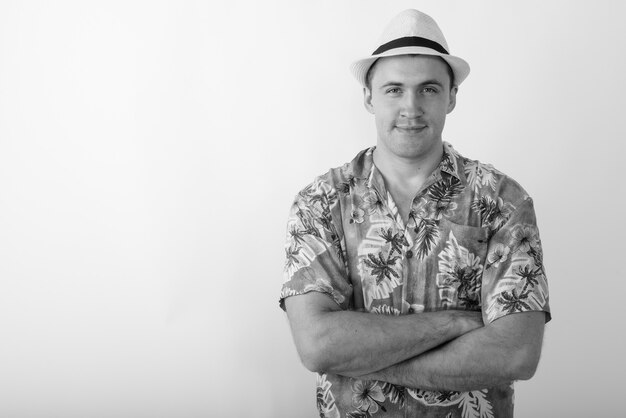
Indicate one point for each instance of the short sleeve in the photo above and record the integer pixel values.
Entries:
(314, 256)
(514, 278)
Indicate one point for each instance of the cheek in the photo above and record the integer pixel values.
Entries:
(384, 125)
(439, 111)
(385, 117)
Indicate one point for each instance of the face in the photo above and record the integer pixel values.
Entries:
(410, 96)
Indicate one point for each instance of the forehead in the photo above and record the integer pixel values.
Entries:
(409, 69)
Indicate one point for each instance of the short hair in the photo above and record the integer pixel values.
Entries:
(370, 73)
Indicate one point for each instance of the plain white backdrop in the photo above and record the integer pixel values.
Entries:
(150, 150)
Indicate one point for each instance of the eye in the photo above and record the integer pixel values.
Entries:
(430, 90)
(393, 90)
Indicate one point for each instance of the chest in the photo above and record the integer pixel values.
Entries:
(402, 198)
(403, 203)
(427, 261)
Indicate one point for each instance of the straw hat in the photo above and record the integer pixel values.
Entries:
(412, 32)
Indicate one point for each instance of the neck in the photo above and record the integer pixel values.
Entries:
(407, 170)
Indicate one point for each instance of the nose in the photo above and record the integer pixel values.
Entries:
(411, 105)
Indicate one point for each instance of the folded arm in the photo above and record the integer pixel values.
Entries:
(505, 350)
(351, 343)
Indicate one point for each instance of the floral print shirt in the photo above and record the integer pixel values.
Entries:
(471, 242)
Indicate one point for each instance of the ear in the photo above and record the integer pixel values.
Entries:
(452, 101)
(367, 100)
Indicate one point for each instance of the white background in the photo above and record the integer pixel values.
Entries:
(150, 150)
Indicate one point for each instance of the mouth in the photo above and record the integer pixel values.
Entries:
(410, 129)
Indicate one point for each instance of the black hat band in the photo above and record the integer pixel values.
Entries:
(410, 41)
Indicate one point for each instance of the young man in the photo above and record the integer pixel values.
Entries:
(414, 277)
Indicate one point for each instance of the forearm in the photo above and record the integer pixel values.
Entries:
(483, 358)
(356, 343)
(351, 343)
(466, 363)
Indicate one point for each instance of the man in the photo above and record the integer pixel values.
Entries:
(414, 278)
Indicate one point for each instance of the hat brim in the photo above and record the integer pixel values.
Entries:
(459, 66)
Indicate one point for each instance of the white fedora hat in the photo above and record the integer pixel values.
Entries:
(412, 32)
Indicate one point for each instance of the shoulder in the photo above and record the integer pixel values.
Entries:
(336, 180)
(486, 180)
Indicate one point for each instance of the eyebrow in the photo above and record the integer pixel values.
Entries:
(435, 82)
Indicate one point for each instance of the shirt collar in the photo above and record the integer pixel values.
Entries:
(362, 166)
(450, 162)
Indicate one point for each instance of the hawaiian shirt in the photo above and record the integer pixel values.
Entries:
(471, 242)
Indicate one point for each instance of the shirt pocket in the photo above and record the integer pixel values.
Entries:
(461, 258)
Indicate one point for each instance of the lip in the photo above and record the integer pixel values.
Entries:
(411, 128)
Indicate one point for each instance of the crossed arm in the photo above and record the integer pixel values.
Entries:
(446, 350)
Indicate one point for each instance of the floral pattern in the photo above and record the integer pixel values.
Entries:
(470, 242)
(367, 396)
(493, 212)
(459, 277)
(480, 175)
(385, 310)
(324, 398)
(474, 404)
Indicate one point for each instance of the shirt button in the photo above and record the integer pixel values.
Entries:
(409, 254)
(411, 310)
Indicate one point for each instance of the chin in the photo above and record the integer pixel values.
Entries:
(413, 148)
(408, 152)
